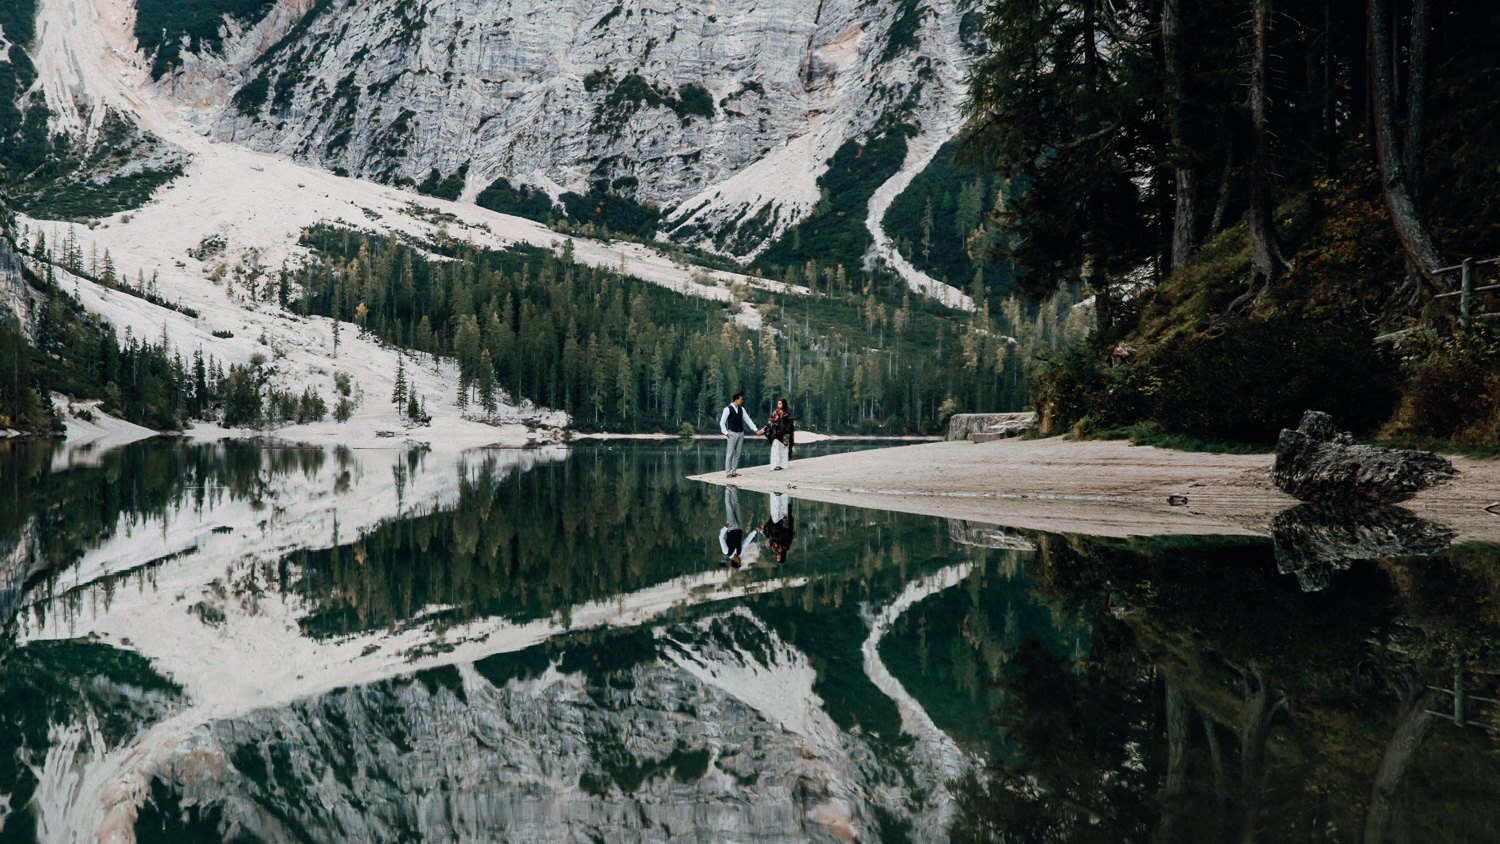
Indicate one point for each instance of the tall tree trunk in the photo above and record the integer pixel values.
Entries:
(1416, 118)
(1221, 208)
(1405, 216)
(1266, 261)
(1104, 312)
(1389, 817)
(1416, 99)
(1184, 216)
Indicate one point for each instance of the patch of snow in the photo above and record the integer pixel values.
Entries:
(778, 686)
(88, 438)
(937, 129)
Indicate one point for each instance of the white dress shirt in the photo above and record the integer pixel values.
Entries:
(744, 542)
(724, 421)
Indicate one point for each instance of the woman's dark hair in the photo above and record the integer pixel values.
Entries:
(780, 403)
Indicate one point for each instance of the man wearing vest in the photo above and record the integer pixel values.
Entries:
(734, 422)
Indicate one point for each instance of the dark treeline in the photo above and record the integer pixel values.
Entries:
(1206, 166)
(1133, 118)
(620, 353)
(1280, 715)
(164, 476)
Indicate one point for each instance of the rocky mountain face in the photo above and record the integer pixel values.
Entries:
(721, 114)
(16, 296)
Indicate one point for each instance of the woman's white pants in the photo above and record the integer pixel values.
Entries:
(780, 454)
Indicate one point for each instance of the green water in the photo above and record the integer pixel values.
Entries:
(394, 645)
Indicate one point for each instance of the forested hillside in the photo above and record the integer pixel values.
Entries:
(1253, 192)
(618, 353)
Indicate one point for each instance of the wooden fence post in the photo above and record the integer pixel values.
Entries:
(1466, 296)
(1459, 714)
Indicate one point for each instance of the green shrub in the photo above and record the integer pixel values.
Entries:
(524, 201)
(1453, 396)
(1243, 382)
(1255, 378)
(311, 408)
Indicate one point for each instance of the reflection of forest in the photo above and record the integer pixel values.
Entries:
(1174, 690)
(547, 543)
(49, 519)
(1221, 702)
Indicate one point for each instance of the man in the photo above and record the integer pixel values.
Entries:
(734, 422)
(733, 540)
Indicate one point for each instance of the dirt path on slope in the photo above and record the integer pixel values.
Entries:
(1099, 488)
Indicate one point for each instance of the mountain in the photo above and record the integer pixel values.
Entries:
(718, 117)
(200, 177)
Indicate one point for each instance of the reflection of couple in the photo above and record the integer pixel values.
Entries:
(779, 530)
(780, 430)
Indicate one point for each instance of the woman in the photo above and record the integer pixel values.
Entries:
(779, 530)
(780, 430)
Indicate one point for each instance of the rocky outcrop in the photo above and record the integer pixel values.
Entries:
(984, 427)
(17, 299)
(1320, 464)
(1313, 541)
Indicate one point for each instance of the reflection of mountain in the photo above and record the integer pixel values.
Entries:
(1316, 540)
(490, 654)
(643, 751)
(709, 728)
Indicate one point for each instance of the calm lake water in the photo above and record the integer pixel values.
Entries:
(227, 642)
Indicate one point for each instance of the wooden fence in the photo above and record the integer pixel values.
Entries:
(1466, 288)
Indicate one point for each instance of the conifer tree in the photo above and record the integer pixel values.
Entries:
(486, 383)
(398, 395)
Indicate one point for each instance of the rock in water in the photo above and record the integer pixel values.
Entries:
(1319, 463)
(1313, 541)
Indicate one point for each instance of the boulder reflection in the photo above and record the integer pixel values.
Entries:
(1313, 541)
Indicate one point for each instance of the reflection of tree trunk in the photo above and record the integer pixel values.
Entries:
(1389, 818)
(1177, 743)
(1260, 711)
(1185, 215)
(1405, 216)
(1216, 755)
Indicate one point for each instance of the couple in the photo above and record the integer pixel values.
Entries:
(779, 530)
(734, 422)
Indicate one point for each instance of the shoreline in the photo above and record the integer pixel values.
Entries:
(803, 437)
(1095, 487)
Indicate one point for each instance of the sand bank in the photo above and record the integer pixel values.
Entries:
(1099, 488)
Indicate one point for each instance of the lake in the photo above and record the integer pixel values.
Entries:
(233, 642)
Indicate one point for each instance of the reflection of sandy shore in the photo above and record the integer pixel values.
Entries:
(1099, 488)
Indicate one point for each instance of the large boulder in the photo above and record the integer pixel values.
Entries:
(1321, 464)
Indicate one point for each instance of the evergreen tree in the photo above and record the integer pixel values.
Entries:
(486, 383)
(398, 395)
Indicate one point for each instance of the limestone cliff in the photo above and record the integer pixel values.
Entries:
(721, 114)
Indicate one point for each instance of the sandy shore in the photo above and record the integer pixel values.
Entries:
(1099, 488)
